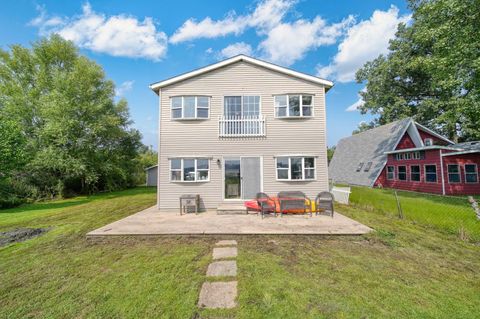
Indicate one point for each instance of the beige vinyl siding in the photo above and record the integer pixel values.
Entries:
(200, 137)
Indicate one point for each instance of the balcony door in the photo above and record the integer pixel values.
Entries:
(242, 106)
(242, 115)
(242, 177)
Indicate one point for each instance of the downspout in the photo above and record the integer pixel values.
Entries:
(158, 159)
(441, 170)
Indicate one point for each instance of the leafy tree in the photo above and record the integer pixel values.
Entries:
(12, 147)
(432, 72)
(77, 137)
(147, 157)
(363, 126)
(330, 152)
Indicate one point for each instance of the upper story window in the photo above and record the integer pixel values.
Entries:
(242, 106)
(189, 170)
(295, 168)
(190, 107)
(428, 142)
(399, 156)
(292, 105)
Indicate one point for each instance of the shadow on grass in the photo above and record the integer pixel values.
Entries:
(65, 203)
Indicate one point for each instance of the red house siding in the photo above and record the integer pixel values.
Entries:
(432, 157)
(462, 188)
(436, 140)
(405, 142)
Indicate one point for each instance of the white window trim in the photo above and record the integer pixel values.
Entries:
(416, 155)
(398, 173)
(183, 118)
(391, 179)
(290, 171)
(241, 105)
(419, 174)
(429, 143)
(399, 156)
(288, 116)
(459, 174)
(465, 172)
(425, 173)
(408, 155)
(181, 170)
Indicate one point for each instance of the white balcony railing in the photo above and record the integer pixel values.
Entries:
(241, 126)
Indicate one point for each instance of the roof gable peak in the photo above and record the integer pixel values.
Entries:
(241, 57)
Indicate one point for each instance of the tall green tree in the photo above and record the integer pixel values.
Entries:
(147, 157)
(432, 72)
(77, 137)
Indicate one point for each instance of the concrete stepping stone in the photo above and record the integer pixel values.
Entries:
(218, 295)
(226, 243)
(222, 268)
(224, 252)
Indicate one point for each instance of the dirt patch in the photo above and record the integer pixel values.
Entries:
(20, 234)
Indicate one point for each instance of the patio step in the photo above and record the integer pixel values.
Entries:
(231, 208)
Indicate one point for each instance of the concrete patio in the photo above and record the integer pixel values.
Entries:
(153, 222)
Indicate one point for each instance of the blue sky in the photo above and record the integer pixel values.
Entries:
(141, 42)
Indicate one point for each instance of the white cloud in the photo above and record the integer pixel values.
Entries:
(355, 106)
(266, 15)
(288, 42)
(364, 42)
(359, 103)
(236, 49)
(124, 88)
(118, 35)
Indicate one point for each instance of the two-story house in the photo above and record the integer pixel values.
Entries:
(238, 127)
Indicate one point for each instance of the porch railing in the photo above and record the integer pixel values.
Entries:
(241, 126)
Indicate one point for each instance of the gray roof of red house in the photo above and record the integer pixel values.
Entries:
(365, 147)
(468, 146)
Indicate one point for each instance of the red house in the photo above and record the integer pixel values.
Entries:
(406, 155)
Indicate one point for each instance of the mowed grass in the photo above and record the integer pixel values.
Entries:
(63, 275)
(403, 270)
(447, 213)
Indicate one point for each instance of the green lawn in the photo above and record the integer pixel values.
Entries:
(447, 213)
(403, 270)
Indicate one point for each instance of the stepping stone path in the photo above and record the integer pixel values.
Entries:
(221, 294)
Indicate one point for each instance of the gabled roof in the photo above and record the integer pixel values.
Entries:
(365, 147)
(156, 86)
(426, 129)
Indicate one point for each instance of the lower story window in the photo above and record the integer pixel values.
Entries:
(431, 173)
(189, 170)
(471, 173)
(415, 173)
(390, 172)
(295, 168)
(402, 173)
(453, 173)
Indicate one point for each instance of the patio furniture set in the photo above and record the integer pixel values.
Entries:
(293, 202)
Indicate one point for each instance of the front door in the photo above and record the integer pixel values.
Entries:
(242, 177)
